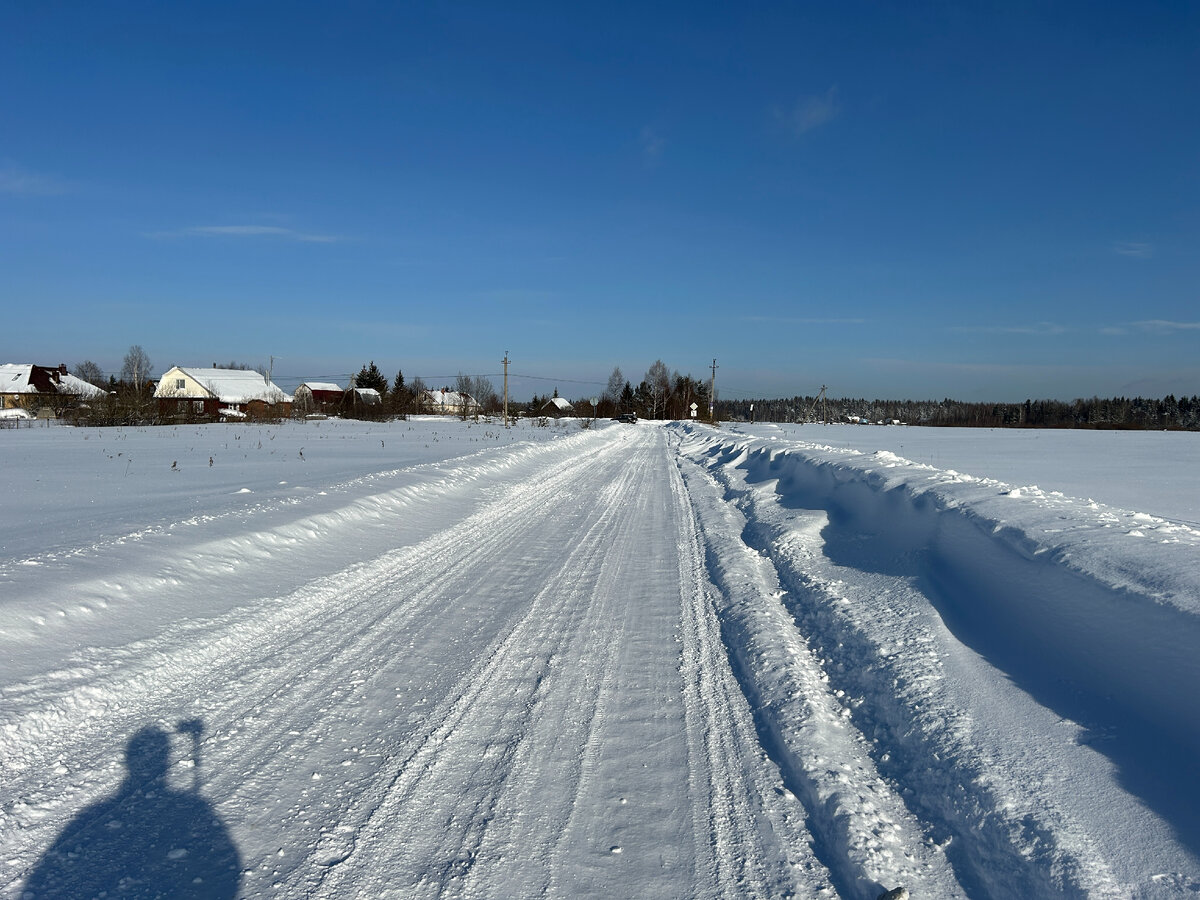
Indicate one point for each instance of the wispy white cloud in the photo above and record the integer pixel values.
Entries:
(790, 320)
(263, 231)
(249, 231)
(17, 180)
(652, 143)
(1134, 249)
(1148, 326)
(810, 113)
(1162, 326)
(517, 295)
(1043, 329)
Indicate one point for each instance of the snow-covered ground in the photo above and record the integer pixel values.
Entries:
(1150, 471)
(436, 658)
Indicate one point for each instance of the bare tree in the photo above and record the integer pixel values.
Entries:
(417, 387)
(616, 383)
(137, 368)
(658, 381)
(485, 394)
(463, 385)
(89, 372)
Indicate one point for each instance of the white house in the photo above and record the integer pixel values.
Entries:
(216, 392)
(449, 403)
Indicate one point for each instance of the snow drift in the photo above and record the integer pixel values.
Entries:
(1022, 664)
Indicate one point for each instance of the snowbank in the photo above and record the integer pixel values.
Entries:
(1021, 663)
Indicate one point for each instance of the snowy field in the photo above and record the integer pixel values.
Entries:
(445, 659)
(1149, 471)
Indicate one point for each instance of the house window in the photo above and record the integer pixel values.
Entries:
(179, 384)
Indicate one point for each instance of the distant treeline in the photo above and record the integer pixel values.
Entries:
(1119, 412)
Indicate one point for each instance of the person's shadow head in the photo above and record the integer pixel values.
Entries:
(148, 839)
(148, 756)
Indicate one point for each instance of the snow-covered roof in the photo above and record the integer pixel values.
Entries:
(71, 384)
(368, 395)
(450, 398)
(321, 386)
(226, 385)
(559, 403)
(16, 379)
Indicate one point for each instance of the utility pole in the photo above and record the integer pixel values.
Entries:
(712, 395)
(505, 361)
(824, 407)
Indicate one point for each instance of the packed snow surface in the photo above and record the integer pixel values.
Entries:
(437, 658)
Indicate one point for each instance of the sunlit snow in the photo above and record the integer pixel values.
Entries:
(442, 658)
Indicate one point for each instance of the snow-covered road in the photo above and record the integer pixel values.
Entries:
(527, 696)
(619, 662)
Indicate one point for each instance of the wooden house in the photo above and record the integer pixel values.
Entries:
(220, 394)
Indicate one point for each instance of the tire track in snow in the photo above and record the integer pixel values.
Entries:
(861, 828)
(1002, 842)
(519, 771)
(467, 750)
(894, 670)
(415, 675)
(561, 738)
(498, 769)
(721, 734)
(282, 649)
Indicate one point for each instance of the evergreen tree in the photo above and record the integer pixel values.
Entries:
(371, 377)
(627, 398)
(398, 398)
(643, 401)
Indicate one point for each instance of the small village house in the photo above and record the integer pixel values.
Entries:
(318, 397)
(46, 390)
(556, 408)
(220, 394)
(362, 402)
(449, 403)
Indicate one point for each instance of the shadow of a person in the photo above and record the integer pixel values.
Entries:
(147, 840)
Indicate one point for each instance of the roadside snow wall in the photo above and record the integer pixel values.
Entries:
(1093, 612)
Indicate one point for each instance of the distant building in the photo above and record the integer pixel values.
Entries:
(318, 397)
(220, 393)
(449, 403)
(358, 401)
(556, 408)
(47, 389)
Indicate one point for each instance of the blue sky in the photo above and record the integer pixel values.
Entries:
(988, 201)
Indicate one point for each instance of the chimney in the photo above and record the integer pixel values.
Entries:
(62, 368)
